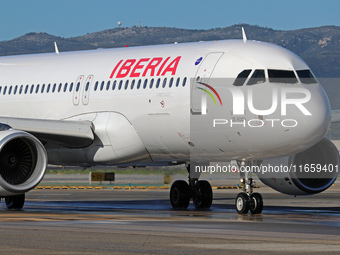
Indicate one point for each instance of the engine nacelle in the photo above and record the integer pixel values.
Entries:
(23, 162)
(308, 172)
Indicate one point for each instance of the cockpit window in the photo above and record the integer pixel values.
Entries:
(306, 76)
(257, 77)
(282, 76)
(242, 77)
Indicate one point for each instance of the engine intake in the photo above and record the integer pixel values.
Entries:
(23, 162)
(311, 171)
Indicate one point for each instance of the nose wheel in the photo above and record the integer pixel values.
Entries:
(244, 203)
(247, 200)
(255, 203)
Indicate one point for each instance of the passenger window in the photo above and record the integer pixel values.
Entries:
(242, 77)
(0, 89)
(87, 86)
(71, 86)
(102, 86)
(32, 88)
(59, 88)
(126, 84)
(37, 89)
(54, 86)
(108, 85)
(138, 84)
(10, 90)
(282, 76)
(306, 76)
(26, 89)
(42, 88)
(120, 85)
(184, 81)
(158, 82)
(145, 83)
(20, 90)
(114, 85)
(177, 82)
(171, 81)
(96, 86)
(257, 77)
(5, 89)
(164, 82)
(15, 89)
(132, 84)
(48, 88)
(65, 87)
(151, 83)
(77, 88)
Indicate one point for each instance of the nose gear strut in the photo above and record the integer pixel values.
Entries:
(247, 200)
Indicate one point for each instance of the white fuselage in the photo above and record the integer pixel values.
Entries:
(38, 87)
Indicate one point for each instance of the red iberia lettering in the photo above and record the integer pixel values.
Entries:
(152, 65)
(115, 69)
(162, 66)
(125, 69)
(172, 67)
(157, 66)
(138, 66)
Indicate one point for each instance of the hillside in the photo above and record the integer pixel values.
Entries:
(319, 47)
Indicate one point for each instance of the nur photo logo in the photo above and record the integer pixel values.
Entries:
(205, 88)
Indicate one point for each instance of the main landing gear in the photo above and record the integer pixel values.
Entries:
(248, 200)
(200, 191)
(15, 202)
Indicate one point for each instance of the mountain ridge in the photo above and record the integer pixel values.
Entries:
(318, 46)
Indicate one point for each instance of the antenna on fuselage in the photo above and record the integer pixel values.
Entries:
(56, 48)
(244, 35)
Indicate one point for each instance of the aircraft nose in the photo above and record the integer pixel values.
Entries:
(306, 116)
(316, 125)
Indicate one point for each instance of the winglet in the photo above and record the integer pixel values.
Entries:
(56, 48)
(244, 35)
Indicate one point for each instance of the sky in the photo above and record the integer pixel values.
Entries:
(69, 18)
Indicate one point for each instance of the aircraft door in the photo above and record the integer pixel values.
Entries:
(86, 89)
(76, 90)
(203, 75)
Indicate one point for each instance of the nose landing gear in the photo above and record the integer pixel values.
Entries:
(247, 200)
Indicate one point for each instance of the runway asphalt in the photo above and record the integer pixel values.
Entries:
(142, 222)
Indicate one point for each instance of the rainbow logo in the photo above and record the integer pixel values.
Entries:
(209, 93)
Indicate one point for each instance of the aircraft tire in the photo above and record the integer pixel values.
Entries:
(242, 203)
(203, 195)
(256, 203)
(15, 202)
(180, 195)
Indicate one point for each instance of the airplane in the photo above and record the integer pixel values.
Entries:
(254, 104)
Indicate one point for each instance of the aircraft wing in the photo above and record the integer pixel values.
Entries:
(74, 134)
(335, 116)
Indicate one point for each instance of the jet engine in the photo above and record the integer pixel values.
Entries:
(308, 172)
(23, 162)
